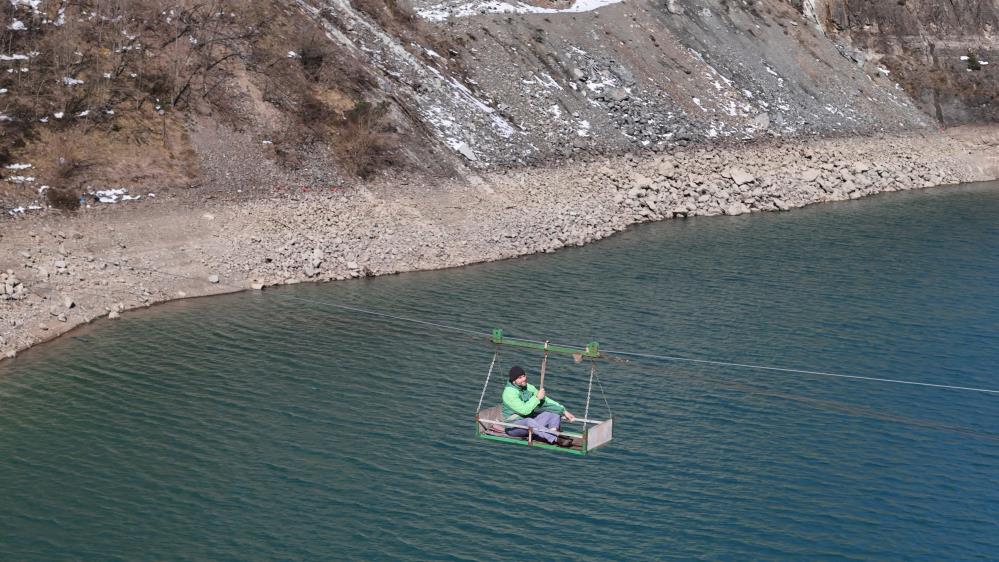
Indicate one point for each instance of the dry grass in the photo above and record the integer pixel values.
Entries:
(389, 14)
(128, 77)
(68, 160)
(365, 145)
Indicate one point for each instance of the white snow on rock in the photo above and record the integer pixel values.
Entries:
(462, 148)
(449, 106)
(70, 81)
(114, 195)
(21, 210)
(15, 56)
(17, 25)
(442, 12)
(18, 166)
(109, 195)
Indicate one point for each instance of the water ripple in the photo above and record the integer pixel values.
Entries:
(253, 426)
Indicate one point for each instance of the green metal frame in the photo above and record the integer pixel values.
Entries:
(525, 442)
(591, 350)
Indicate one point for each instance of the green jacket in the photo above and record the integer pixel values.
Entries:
(522, 402)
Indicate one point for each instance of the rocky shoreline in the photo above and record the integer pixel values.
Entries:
(57, 272)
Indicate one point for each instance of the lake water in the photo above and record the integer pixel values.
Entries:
(267, 426)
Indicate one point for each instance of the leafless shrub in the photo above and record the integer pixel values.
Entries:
(389, 14)
(314, 54)
(973, 63)
(363, 147)
(69, 162)
(67, 199)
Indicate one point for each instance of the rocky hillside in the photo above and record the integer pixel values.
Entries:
(154, 96)
(940, 52)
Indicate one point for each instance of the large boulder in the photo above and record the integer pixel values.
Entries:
(735, 209)
(741, 177)
(639, 181)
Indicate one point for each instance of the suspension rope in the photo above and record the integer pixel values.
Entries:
(485, 386)
(589, 389)
(384, 315)
(335, 305)
(610, 414)
(611, 353)
(799, 371)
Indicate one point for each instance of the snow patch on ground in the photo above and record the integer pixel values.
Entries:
(442, 12)
(113, 195)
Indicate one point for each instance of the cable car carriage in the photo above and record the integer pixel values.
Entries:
(592, 434)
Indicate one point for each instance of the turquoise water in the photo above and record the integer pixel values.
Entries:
(257, 426)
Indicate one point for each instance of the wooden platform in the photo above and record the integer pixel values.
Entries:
(598, 433)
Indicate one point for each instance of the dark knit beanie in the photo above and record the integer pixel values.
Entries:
(515, 373)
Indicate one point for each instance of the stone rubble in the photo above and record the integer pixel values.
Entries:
(52, 281)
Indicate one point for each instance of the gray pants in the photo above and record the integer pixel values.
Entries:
(539, 423)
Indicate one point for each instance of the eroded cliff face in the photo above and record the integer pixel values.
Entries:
(522, 83)
(945, 54)
(140, 96)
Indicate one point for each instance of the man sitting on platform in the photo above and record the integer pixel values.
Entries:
(528, 407)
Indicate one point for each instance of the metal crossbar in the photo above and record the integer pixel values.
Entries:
(546, 430)
(511, 424)
(591, 350)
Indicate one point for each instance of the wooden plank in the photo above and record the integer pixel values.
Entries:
(537, 445)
